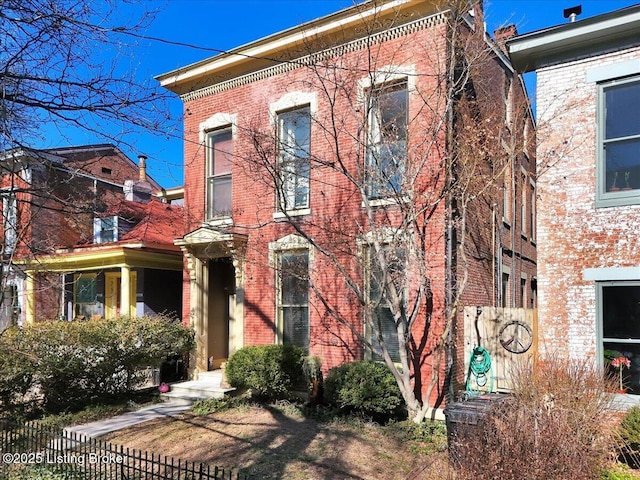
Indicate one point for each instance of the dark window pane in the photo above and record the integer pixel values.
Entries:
(86, 290)
(631, 375)
(294, 297)
(389, 333)
(387, 133)
(622, 164)
(622, 110)
(294, 132)
(621, 312)
(296, 326)
(379, 285)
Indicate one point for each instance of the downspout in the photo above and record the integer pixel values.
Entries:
(449, 263)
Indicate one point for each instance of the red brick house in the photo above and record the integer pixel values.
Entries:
(84, 236)
(317, 194)
(588, 109)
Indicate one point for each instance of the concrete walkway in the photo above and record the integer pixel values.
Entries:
(178, 400)
(126, 420)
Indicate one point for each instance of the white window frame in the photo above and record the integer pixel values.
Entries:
(217, 121)
(368, 255)
(294, 171)
(288, 244)
(9, 220)
(98, 228)
(385, 76)
(210, 178)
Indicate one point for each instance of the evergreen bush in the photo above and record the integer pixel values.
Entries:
(68, 365)
(364, 387)
(272, 372)
(630, 435)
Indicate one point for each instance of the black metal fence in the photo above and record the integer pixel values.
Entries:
(32, 447)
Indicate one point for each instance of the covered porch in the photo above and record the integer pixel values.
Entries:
(97, 281)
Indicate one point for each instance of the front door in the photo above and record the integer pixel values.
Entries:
(221, 297)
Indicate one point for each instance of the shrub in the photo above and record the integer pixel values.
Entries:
(364, 387)
(557, 424)
(630, 436)
(73, 364)
(271, 371)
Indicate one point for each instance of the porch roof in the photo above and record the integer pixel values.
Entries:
(138, 255)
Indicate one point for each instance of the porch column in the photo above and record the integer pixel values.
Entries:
(30, 294)
(125, 289)
(198, 319)
(236, 307)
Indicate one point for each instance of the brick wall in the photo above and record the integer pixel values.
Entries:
(337, 220)
(574, 235)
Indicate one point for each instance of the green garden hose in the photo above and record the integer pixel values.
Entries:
(479, 367)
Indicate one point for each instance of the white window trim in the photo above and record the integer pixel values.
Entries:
(8, 194)
(97, 228)
(298, 212)
(387, 74)
(385, 238)
(216, 122)
(292, 100)
(219, 121)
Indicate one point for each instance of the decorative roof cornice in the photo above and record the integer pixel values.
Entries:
(342, 49)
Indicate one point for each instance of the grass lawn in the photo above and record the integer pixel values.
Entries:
(278, 441)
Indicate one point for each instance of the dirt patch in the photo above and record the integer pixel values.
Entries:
(272, 443)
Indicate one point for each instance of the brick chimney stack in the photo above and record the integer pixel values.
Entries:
(142, 166)
(503, 34)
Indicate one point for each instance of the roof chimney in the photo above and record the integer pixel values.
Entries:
(572, 13)
(142, 166)
(505, 33)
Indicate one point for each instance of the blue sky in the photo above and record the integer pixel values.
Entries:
(214, 25)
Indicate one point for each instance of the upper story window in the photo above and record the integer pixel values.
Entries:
(387, 138)
(618, 168)
(294, 146)
(10, 221)
(105, 229)
(219, 164)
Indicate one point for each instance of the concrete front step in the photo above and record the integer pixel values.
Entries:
(207, 386)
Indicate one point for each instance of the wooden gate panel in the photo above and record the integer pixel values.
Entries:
(482, 327)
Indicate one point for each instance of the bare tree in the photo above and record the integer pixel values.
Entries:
(413, 184)
(67, 64)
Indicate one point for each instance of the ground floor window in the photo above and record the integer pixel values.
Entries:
(619, 321)
(293, 297)
(379, 283)
(85, 296)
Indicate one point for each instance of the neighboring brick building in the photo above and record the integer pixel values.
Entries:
(84, 237)
(588, 154)
(311, 153)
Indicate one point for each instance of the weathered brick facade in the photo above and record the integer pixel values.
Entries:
(583, 241)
